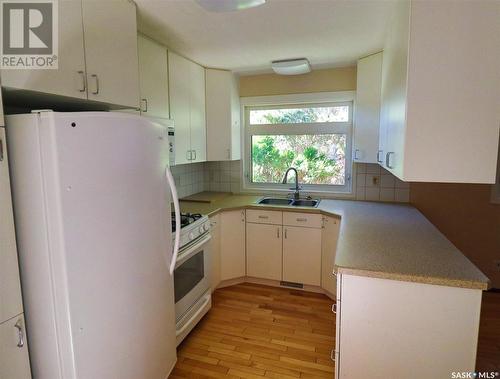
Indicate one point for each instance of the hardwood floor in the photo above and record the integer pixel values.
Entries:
(255, 331)
(262, 332)
(488, 351)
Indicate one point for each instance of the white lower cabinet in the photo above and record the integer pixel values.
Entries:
(232, 244)
(396, 329)
(14, 359)
(302, 255)
(215, 232)
(264, 251)
(284, 246)
(328, 247)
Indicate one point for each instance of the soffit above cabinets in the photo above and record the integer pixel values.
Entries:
(329, 33)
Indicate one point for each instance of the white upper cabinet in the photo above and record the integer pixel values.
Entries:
(223, 116)
(197, 112)
(69, 79)
(10, 289)
(178, 79)
(153, 77)
(187, 108)
(440, 92)
(97, 57)
(367, 117)
(110, 30)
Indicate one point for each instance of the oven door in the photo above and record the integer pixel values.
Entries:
(191, 275)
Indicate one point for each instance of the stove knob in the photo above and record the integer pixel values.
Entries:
(206, 227)
(201, 229)
(191, 235)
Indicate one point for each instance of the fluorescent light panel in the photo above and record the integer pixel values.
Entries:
(229, 5)
(291, 66)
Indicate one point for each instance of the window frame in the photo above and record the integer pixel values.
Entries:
(295, 101)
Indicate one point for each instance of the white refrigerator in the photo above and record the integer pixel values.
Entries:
(92, 211)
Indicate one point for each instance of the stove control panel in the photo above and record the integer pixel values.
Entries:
(193, 231)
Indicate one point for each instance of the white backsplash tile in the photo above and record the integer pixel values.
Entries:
(374, 183)
(372, 168)
(226, 177)
(189, 178)
(387, 181)
(402, 195)
(361, 193)
(387, 194)
(361, 179)
(372, 193)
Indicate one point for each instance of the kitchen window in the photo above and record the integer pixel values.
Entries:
(314, 138)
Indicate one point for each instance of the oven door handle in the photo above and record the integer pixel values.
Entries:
(175, 199)
(197, 313)
(191, 250)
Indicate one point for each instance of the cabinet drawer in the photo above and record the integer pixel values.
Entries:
(307, 220)
(264, 217)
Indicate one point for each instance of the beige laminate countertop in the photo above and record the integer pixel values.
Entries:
(382, 240)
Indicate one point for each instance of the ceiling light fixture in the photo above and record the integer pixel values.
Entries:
(229, 5)
(291, 66)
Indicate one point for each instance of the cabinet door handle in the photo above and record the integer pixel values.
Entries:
(334, 308)
(301, 219)
(96, 78)
(188, 155)
(1, 150)
(20, 333)
(194, 155)
(286, 233)
(332, 355)
(356, 154)
(388, 159)
(145, 102)
(83, 87)
(378, 156)
(278, 233)
(243, 216)
(264, 217)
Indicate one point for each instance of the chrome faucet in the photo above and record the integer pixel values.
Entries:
(296, 194)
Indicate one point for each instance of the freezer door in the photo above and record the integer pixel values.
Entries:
(106, 202)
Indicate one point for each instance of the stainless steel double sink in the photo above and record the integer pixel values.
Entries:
(312, 203)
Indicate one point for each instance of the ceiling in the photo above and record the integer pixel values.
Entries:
(330, 33)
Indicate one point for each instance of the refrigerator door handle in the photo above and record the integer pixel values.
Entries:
(175, 198)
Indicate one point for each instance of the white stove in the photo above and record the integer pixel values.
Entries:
(191, 275)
